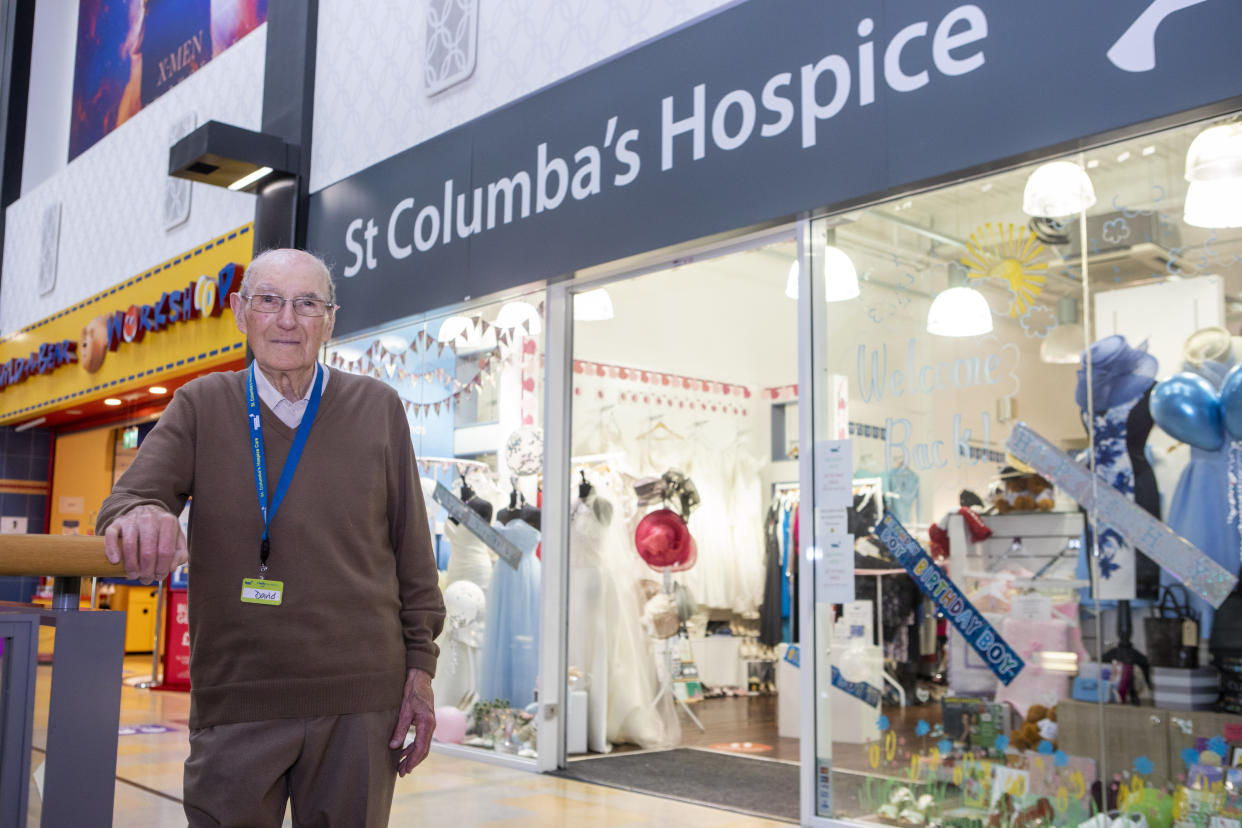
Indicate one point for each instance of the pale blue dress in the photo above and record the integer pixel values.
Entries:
(1200, 506)
(510, 662)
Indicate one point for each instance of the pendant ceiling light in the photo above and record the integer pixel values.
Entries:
(1058, 188)
(1064, 344)
(959, 310)
(454, 327)
(593, 306)
(1214, 203)
(1216, 154)
(518, 314)
(1214, 170)
(840, 276)
(476, 339)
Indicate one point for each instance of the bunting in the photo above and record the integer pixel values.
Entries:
(669, 382)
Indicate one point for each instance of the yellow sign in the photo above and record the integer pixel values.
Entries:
(167, 321)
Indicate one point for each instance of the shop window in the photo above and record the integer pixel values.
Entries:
(1011, 643)
(471, 385)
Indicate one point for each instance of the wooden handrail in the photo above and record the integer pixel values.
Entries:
(80, 556)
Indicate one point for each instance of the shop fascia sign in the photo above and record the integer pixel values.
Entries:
(787, 100)
(206, 296)
(762, 110)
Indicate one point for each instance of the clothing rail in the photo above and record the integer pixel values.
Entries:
(84, 698)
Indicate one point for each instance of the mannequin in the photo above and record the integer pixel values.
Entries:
(469, 559)
(1117, 415)
(606, 641)
(1200, 501)
(1122, 378)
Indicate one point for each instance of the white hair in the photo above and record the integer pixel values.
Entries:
(278, 257)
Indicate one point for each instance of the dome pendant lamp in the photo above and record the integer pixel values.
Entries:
(959, 310)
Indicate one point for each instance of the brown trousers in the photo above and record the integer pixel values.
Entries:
(336, 770)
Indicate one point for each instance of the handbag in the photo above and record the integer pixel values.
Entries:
(1173, 631)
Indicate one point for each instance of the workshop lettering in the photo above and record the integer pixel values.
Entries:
(205, 296)
(816, 93)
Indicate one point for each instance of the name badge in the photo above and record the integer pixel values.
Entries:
(258, 591)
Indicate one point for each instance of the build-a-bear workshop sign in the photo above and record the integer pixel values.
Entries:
(162, 323)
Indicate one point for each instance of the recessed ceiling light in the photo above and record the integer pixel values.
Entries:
(76, 412)
(1149, 150)
(158, 389)
(1125, 156)
(112, 401)
(987, 185)
(1093, 163)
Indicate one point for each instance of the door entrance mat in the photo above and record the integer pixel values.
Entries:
(752, 786)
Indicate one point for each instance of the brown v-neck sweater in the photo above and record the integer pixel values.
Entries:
(350, 542)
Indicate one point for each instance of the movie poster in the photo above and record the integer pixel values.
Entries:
(132, 51)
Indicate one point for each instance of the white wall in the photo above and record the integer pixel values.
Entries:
(369, 97)
(725, 319)
(112, 195)
(51, 92)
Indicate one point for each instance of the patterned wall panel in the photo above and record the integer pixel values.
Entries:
(370, 100)
(112, 216)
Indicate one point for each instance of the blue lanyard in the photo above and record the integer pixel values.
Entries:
(260, 457)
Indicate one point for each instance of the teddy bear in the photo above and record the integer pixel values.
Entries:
(1019, 492)
(1040, 726)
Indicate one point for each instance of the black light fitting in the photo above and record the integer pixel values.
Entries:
(229, 156)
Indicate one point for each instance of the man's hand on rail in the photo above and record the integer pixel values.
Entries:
(148, 541)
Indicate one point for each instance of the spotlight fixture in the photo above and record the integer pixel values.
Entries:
(112, 401)
(157, 390)
(230, 156)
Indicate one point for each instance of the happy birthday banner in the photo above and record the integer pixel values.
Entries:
(860, 690)
(1110, 508)
(1001, 659)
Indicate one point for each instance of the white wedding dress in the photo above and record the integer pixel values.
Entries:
(606, 640)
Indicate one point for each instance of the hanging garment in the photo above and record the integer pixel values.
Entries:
(901, 494)
(510, 663)
(1200, 505)
(774, 577)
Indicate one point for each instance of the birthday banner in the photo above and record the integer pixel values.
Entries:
(1110, 508)
(982, 636)
(860, 690)
(481, 529)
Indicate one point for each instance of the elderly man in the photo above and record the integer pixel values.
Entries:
(313, 598)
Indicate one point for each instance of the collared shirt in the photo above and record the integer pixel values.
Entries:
(288, 412)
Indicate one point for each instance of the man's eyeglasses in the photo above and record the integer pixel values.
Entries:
(302, 305)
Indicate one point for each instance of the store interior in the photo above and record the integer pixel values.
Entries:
(683, 608)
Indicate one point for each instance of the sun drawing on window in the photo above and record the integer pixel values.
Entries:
(1008, 253)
